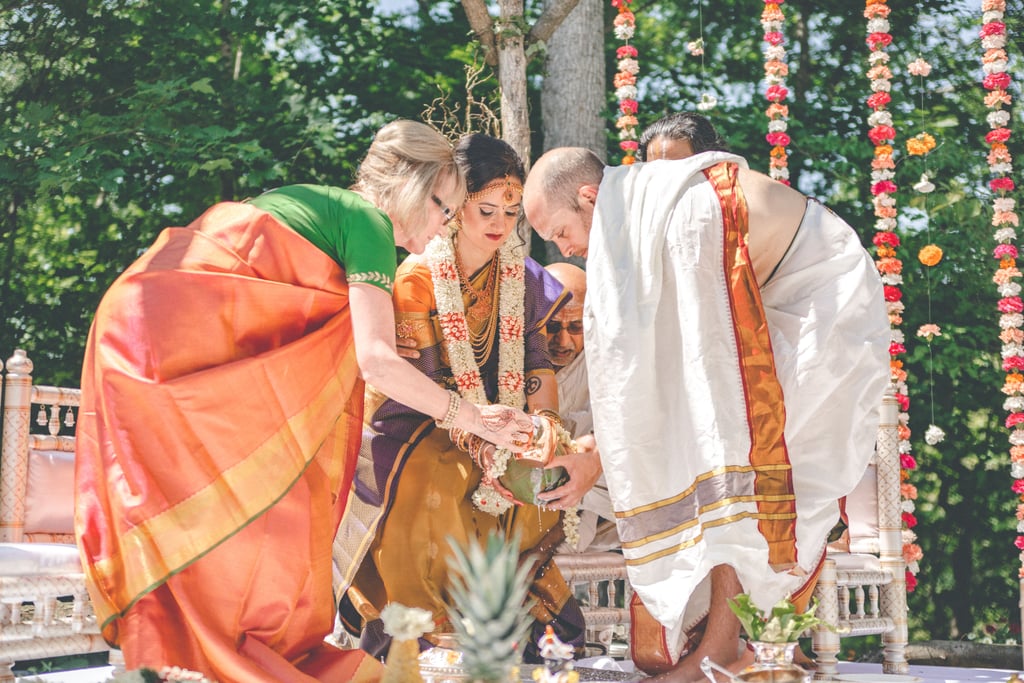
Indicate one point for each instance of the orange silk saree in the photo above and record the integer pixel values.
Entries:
(220, 418)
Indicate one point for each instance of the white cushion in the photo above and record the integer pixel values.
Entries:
(36, 559)
(862, 513)
(50, 498)
(856, 562)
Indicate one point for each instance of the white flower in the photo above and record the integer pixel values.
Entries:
(903, 418)
(996, 67)
(913, 567)
(924, 185)
(904, 446)
(1014, 404)
(695, 47)
(886, 200)
(907, 506)
(629, 65)
(406, 623)
(880, 117)
(892, 279)
(885, 224)
(878, 25)
(777, 126)
(626, 92)
(624, 31)
(908, 536)
(1004, 168)
(780, 173)
(994, 42)
(1005, 235)
(878, 57)
(896, 335)
(933, 435)
(775, 52)
(1017, 437)
(707, 102)
(1009, 289)
(880, 174)
(990, 16)
(894, 306)
(919, 67)
(1003, 204)
(1010, 350)
(1017, 471)
(881, 85)
(1008, 320)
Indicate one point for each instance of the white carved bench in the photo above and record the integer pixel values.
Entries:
(45, 610)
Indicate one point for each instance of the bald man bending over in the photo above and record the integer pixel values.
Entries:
(736, 341)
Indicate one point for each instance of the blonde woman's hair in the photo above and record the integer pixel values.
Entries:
(401, 169)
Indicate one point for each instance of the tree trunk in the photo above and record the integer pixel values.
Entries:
(515, 113)
(572, 97)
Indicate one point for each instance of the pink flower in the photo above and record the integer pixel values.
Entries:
(907, 461)
(774, 38)
(778, 138)
(998, 135)
(909, 519)
(878, 100)
(892, 293)
(1005, 251)
(878, 40)
(1020, 511)
(919, 67)
(776, 93)
(912, 552)
(911, 581)
(1001, 184)
(1013, 363)
(1005, 218)
(1019, 543)
(890, 239)
(993, 28)
(628, 106)
(902, 399)
(1011, 304)
(880, 134)
(626, 51)
(1014, 419)
(1018, 486)
(997, 81)
(883, 187)
(629, 145)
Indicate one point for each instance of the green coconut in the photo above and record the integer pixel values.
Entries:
(525, 482)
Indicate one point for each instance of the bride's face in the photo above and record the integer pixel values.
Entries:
(488, 220)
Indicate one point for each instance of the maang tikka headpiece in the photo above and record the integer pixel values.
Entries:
(511, 187)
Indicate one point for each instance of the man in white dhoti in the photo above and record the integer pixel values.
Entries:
(736, 343)
(566, 348)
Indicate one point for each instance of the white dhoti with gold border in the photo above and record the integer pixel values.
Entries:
(730, 418)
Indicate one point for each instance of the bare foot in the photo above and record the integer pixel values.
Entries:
(688, 670)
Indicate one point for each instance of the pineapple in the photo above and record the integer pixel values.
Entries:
(488, 590)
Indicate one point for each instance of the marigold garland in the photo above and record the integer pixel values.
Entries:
(775, 72)
(996, 81)
(882, 134)
(625, 81)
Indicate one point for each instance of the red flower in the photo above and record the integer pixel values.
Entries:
(776, 93)
(880, 134)
(1011, 304)
(629, 145)
(907, 461)
(890, 239)
(510, 328)
(998, 81)
(1014, 419)
(911, 582)
(1001, 184)
(512, 381)
(902, 399)
(879, 99)
(468, 381)
(626, 51)
(993, 28)
(446, 270)
(1018, 487)
(883, 187)
(998, 135)
(777, 138)
(628, 106)
(1013, 363)
(1019, 543)
(453, 326)
(1005, 251)
(909, 519)
(878, 40)
(774, 38)
(892, 293)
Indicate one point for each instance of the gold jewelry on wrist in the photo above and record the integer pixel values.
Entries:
(454, 402)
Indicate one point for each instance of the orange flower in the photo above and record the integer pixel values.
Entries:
(998, 97)
(1012, 335)
(771, 13)
(920, 144)
(628, 160)
(994, 55)
(890, 265)
(885, 252)
(883, 149)
(903, 431)
(1007, 263)
(776, 109)
(929, 255)
(886, 212)
(908, 491)
(912, 552)
(778, 151)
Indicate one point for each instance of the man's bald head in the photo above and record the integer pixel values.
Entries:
(565, 329)
(559, 197)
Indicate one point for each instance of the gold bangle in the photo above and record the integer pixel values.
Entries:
(551, 415)
(454, 403)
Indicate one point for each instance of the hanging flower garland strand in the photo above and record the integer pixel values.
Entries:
(625, 81)
(883, 169)
(1005, 220)
(775, 71)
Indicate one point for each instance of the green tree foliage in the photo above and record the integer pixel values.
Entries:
(121, 117)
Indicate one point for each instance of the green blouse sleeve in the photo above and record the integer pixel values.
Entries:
(343, 225)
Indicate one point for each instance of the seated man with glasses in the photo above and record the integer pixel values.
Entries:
(565, 345)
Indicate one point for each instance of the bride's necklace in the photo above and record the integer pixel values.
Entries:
(481, 302)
